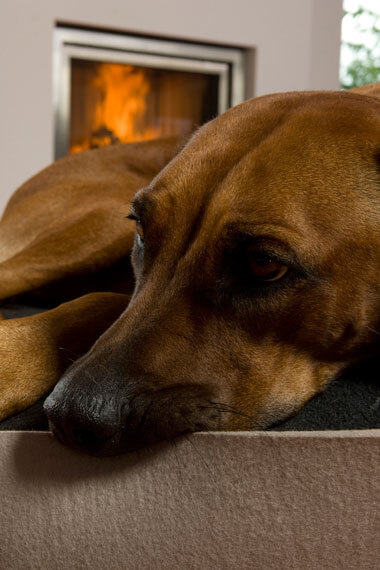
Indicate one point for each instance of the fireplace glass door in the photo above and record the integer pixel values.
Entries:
(111, 88)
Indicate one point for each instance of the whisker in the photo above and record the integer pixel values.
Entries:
(69, 350)
(229, 410)
(226, 406)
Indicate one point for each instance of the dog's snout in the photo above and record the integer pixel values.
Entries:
(132, 421)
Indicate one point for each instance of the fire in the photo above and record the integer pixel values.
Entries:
(120, 107)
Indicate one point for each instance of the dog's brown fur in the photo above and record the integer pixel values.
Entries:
(295, 174)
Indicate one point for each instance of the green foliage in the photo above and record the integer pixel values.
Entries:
(364, 66)
(362, 72)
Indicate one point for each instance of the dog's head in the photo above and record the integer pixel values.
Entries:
(256, 259)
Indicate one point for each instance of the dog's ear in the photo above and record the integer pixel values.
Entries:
(372, 90)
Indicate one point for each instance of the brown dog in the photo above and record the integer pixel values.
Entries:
(256, 258)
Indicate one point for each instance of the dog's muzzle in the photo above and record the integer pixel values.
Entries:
(115, 418)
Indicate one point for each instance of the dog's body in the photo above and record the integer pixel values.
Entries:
(256, 257)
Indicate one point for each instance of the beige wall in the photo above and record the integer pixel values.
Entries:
(297, 47)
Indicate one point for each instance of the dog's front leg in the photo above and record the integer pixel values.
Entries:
(35, 351)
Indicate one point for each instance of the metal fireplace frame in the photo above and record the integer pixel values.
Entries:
(69, 43)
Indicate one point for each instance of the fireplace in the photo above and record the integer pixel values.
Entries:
(111, 88)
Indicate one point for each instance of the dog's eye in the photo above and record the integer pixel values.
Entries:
(140, 232)
(139, 228)
(265, 268)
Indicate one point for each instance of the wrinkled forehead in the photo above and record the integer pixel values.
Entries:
(305, 162)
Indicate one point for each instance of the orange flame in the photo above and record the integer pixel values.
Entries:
(120, 111)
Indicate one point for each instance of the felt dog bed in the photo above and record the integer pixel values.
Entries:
(221, 501)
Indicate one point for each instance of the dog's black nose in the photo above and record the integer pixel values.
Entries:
(125, 421)
(98, 433)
